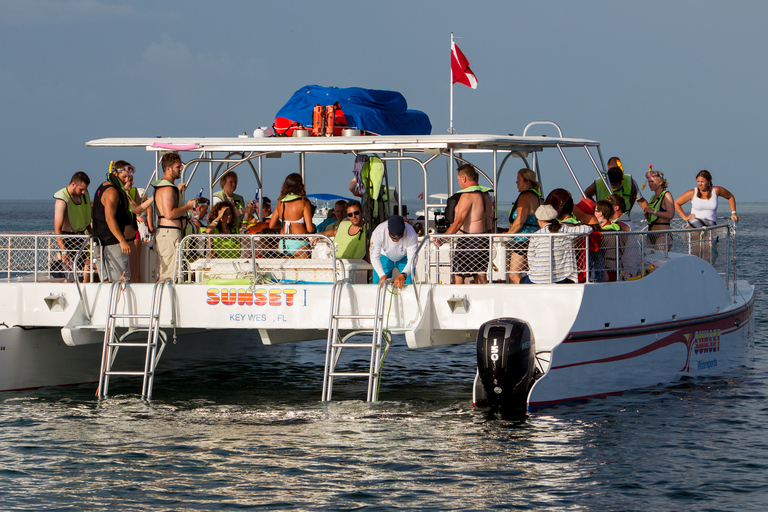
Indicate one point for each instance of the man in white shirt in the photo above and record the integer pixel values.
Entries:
(393, 244)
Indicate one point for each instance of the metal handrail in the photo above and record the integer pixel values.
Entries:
(74, 271)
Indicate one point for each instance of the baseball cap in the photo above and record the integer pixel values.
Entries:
(396, 226)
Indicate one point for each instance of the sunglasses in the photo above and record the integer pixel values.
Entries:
(396, 238)
(355, 213)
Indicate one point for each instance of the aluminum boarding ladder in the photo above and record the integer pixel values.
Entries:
(153, 346)
(335, 345)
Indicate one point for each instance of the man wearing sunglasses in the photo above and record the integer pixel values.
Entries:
(393, 244)
(350, 234)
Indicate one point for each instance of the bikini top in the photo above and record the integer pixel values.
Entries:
(287, 223)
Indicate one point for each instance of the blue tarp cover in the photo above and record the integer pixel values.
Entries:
(380, 112)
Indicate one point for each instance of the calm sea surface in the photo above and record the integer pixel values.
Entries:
(254, 435)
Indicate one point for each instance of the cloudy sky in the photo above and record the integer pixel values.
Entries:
(677, 84)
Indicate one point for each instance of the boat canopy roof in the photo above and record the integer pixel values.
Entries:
(363, 144)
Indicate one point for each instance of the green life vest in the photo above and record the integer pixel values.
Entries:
(372, 174)
(570, 220)
(224, 247)
(655, 204)
(475, 188)
(611, 227)
(350, 247)
(624, 191)
(78, 215)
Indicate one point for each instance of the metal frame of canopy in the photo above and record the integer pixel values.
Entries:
(398, 148)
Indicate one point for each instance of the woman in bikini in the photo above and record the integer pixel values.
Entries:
(295, 212)
(522, 219)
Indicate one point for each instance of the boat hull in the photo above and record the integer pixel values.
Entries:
(598, 363)
(38, 357)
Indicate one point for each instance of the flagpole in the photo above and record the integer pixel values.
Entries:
(450, 117)
(450, 129)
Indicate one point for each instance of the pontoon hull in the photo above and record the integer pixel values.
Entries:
(34, 358)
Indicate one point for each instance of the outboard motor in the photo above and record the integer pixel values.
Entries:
(506, 360)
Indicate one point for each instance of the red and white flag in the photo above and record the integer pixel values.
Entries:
(421, 195)
(460, 68)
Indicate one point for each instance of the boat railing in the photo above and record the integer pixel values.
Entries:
(494, 258)
(551, 257)
(261, 259)
(49, 257)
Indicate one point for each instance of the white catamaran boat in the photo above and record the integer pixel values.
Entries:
(679, 315)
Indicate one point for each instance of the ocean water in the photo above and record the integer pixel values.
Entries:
(253, 435)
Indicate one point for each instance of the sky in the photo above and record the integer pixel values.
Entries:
(676, 84)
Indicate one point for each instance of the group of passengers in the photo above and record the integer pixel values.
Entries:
(121, 218)
(562, 259)
(119, 215)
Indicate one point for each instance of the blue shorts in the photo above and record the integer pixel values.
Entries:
(389, 266)
(289, 246)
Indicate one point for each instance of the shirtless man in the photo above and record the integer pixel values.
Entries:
(171, 211)
(473, 214)
(72, 216)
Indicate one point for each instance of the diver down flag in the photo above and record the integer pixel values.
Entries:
(460, 68)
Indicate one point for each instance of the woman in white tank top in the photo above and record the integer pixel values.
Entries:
(704, 202)
(704, 213)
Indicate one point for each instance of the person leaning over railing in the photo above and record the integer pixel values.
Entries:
(704, 212)
(551, 259)
(393, 245)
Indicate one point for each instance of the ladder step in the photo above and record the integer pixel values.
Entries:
(148, 317)
(349, 374)
(355, 317)
(111, 372)
(130, 344)
(355, 345)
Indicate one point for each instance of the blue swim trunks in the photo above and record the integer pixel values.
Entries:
(389, 266)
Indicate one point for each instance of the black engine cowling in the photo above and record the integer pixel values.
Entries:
(506, 362)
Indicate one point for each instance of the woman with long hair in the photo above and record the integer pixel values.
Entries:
(522, 219)
(703, 200)
(222, 221)
(660, 210)
(294, 211)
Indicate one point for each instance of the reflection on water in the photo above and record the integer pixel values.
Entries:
(217, 439)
